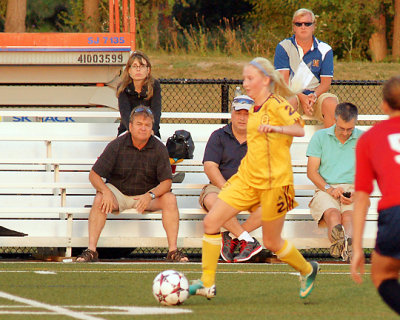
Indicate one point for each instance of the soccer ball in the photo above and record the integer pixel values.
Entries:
(170, 288)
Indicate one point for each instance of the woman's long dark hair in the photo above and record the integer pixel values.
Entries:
(126, 78)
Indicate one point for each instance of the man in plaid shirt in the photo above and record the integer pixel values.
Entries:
(138, 175)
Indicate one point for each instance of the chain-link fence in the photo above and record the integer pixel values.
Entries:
(216, 95)
(145, 254)
(194, 254)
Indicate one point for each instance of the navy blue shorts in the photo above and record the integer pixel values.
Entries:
(388, 238)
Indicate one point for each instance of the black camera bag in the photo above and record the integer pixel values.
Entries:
(180, 145)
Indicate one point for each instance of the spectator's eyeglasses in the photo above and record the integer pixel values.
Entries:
(139, 67)
(143, 109)
(341, 129)
(299, 24)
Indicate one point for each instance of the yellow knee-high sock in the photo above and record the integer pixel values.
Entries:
(210, 255)
(289, 254)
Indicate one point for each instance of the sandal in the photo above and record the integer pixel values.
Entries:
(177, 256)
(88, 256)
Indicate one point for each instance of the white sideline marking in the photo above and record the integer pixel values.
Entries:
(141, 311)
(45, 272)
(56, 309)
(114, 310)
(33, 313)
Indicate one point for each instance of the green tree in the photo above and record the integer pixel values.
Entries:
(76, 19)
(92, 15)
(44, 15)
(153, 18)
(3, 8)
(270, 22)
(377, 41)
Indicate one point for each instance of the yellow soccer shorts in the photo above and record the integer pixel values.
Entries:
(275, 202)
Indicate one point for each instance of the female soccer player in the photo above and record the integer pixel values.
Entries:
(264, 177)
(378, 158)
(138, 87)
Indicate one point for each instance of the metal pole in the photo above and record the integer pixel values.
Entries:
(132, 25)
(224, 99)
(111, 15)
(116, 6)
(125, 15)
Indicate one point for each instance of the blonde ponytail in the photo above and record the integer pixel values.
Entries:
(278, 84)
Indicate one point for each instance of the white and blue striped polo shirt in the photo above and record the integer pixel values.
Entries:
(315, 63)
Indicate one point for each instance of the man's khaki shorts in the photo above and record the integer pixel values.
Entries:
(207, 189)
(317, 114)
(124, 202)
(322, 201)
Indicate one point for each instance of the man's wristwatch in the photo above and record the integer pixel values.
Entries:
(314, 94)
(327, 186)
(153, 196)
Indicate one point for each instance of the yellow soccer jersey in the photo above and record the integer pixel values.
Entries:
(267, 163)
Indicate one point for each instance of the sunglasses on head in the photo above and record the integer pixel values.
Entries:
(137, 54)
(299, 24)
(143, 109)
(243, 101)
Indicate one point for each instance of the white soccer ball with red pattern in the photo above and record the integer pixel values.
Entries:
(170, 288)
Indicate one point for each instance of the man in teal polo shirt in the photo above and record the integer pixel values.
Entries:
(331, 167)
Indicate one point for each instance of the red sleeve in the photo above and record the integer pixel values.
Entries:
(364, 171)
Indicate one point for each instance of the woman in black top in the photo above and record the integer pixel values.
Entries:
(138, 87)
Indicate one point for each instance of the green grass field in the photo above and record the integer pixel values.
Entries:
(123, 291)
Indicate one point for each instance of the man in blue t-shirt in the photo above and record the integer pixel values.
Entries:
(305, 61)
(224, 151)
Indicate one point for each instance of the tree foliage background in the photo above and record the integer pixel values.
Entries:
(228, 27)
(344, 24)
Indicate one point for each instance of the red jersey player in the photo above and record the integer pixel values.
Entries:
(378, 158)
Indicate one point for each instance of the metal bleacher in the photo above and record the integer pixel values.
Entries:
(57, 112)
